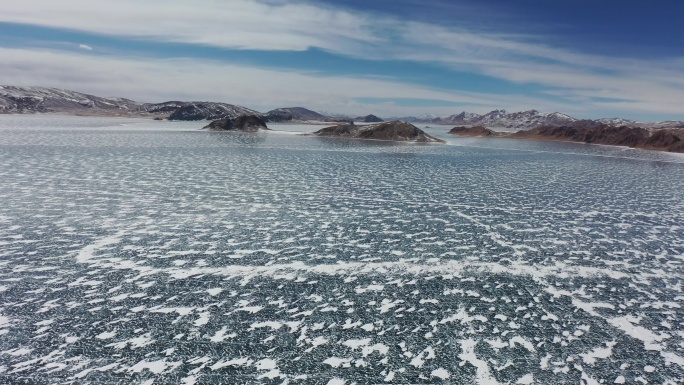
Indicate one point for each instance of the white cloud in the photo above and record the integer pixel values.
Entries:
(642, 84)
(245, 24)
(155, 80)
(85, 47)
(285, 25)
(293, 25)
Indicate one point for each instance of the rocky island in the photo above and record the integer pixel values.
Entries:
(592, 132)
(395, 130)
(471, 131)
(248, 123)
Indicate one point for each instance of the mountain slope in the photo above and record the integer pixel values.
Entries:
(26, 100)
(293, 113)
(590, 131)
(42, 99)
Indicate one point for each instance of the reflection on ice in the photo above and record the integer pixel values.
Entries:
(247, 138)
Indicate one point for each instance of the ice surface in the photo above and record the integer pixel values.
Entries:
(158, 252)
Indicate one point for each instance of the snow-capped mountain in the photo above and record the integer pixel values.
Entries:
(162, 108)
(462, 118)
(502, 119)
(176, 110)
(526, 120)
(618, 122)
(667, 124)
(41, 99)
(18, 100)
(205, 110)
(428, 116)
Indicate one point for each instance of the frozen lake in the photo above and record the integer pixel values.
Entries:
(141, 252)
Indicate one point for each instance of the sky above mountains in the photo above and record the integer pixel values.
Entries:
(589, 59)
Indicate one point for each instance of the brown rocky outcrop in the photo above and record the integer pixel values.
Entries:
(669, 140)
(471, 131)
(662, 139)
(601, 134)
(395, 130)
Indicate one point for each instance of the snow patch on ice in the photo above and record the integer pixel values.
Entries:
(440, 373)
(484, 375)
(237, 362)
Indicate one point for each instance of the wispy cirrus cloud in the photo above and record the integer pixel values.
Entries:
(241, 24)
(148, 80)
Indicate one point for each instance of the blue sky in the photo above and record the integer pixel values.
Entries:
(589, 59)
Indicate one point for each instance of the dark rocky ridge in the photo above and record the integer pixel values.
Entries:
(671, 140)
(291, 113)
(249, 123)
(662, 139)
(368, 119)
(208, 111)
(617, 136)
(471, 131)
(394, 131)
(163, 109)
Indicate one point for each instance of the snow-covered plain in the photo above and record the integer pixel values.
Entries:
(150, 252)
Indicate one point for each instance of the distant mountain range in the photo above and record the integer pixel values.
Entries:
(526, 120)
(26, 100)
(195, 110)
(501, 118)
(43, 100)
(300, 114)
(39, 99)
